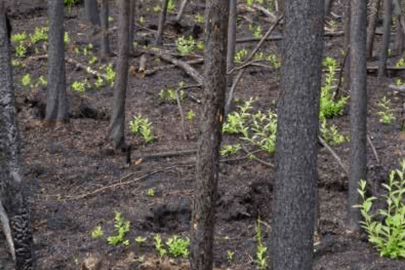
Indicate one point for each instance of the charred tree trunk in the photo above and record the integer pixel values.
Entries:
(105, 40)
(346, 43)
(181, 10)
(295, 201)
(56, 100)
(120, 85)
(399, 37)
(12, 185)
(132, 24)
(328, 5)
(382, 65)
(358, 109)
(91, 11)
(162, 20)
(375, 7)
(231, 39)
(206, 185)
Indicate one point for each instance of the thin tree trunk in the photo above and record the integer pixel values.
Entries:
(120, 85)
(399, 37)
(382, 65)
(12, 184)
(281, 6)
(358, 109)
(207, 165)
(346, 43)
(295, 202)
(91, 11)
(375, 7)
(328, 5)
(181, 10)
(105, 40)
(231, 39)
(132, 24)
(56, 101)
(162, 20)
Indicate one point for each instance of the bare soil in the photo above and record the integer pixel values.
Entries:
(77, 182)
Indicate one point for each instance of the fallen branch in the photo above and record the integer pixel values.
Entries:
(373, 148)
(334, 155)
(397, 88)
(152, 71)
(280, 37)
(254, 157)
(183, 127)
(167, 154)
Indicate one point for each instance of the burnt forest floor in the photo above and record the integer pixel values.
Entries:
(67, 166)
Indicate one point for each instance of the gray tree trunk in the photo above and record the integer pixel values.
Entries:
(346, 43)
(375, 7)
(132, 24)
(56, 101)
(162, 20)
(12, 185)
(399, 37)
(358, 108)
(207, 165)
(91, 11)
(295, 202)
(120, 85)
(231, 38)
(382, 65)
(105, 40)
(181, 10)
(328, 6)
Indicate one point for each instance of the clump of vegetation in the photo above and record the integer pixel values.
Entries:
(258, 129)
(256, 30)
(261, 258)
(19, 37)
(142, 126)
(150, 192)
(169, 95)
(330, 107)
(185, 45)
(386, 228)
(110, 74)
(40, 34)
(159, 245)
(190, 115)
(240, 56)
(178, 246)
(121, 227)
(80, 87)
(26, 80)
(331, 134)
(385, 112)
(97, 232)
(228, 149)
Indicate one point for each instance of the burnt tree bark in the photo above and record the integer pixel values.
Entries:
(346, 44)
(358, 108)
(231, 39)
(207, 165)
(105, 40)
(12, 185)
(375, 7)
(328, 5)
(91, 12)
(295, 201)
(382, 64)
(132, 23)
(56, 100)
(162, 20)
(120, 85)
(399, 37)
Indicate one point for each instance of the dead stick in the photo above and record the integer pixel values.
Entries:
(373, 148)
(334, 154)
(181, 114)
(167, 154)
(6, 229)
(250, 155)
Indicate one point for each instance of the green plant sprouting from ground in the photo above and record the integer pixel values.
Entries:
(240, 56)
(256, 30)
(169, 95)
(150, 192)
(190, 115)
(261, 249)
(386, 228)
(26, 80)
(171, 6)
(329, 106)
(400, 63)
(40, 34)
(178, 246)
(121, 227)
(258, 129)
(110, 74)
(185, 45)
(331, 134)
(80, 87)
(97, 232)
(228, 149)
(19, 37)
(20, 50)
(385, 112)
(140, 240)
(159, 245)
(142, 126)
(229, 255)
(199, 18)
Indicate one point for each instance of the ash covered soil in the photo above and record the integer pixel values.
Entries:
(77, 183)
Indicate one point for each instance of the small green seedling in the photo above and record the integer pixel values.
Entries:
(20, 50)
(19, 37)
(199, 18)
(97, 232)
(159, 246)
(228, 150)
(190, 115)
(110, 74)
(150, 192)
(178, 247)
(229, 255)
(256, 30)
(240, 56)
(26, 80)
(142, 126)
(261, 249)
(185, 45)
(331, 134)
(121, 227)
(386, 113)
(66, 38)
(140, 240)
(40, 34)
